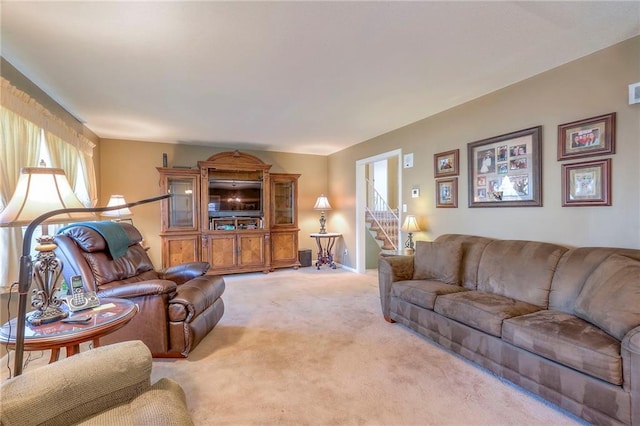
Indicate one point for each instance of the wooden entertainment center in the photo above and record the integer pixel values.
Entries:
(231, 212)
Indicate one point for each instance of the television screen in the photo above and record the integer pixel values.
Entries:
(235, 198)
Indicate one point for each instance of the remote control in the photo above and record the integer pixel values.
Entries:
(79, 319)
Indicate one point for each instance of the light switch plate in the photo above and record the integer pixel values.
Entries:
(415, 193)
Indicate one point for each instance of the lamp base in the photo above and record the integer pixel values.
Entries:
(51, 314)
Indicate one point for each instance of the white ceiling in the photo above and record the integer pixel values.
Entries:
(307, 77)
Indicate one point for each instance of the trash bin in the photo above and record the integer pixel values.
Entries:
(304, 257)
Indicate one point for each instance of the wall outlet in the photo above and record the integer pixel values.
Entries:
(415, 193)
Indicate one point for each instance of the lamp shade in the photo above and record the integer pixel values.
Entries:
(410, 224)
(322, 203)
(40, 190)
(117, 200)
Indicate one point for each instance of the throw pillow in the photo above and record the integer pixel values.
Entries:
(438, 261)
(611, 296)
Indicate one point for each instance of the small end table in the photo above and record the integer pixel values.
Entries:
(111, 315)
(325, 253)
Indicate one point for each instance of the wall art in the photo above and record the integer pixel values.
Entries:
(587, 183)
(588, 137)
(446, 163)
(505, 171)
(447, 193)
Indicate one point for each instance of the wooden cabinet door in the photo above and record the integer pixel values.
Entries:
(222, 250)
(251, 249)
(179, 249)
(284, 249)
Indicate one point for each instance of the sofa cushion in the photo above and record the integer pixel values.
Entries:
(438, 261)
(472, 248)
(521, 270)
(611, 296)
(569, 340)
(422, 292)
(480, 310)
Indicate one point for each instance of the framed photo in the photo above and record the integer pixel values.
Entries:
(586, 138)
(587, 183)
(505, 171)
(447, 193)
(446, 163)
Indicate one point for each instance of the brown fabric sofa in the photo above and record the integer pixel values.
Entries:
(109, 385)
(562, 323)
(177, 306)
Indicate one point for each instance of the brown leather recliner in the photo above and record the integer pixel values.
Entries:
(177, 306)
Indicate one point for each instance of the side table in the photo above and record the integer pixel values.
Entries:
(325, 253)
(111, 315)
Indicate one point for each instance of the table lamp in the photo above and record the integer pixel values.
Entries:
(42, 189)
(119, 214)
(322, 203)
(410, 225)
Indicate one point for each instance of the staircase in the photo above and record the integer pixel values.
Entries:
(382, 222)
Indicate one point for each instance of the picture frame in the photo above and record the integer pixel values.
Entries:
(446, 163)
(587, 183)
(586, 138)
(506, 170)
(447, 193)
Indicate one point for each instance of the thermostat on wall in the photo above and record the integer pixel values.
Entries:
(634, 93)
(408, 160)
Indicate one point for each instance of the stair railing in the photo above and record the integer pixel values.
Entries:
(383, 216)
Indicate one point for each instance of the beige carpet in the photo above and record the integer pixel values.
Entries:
(310, 347)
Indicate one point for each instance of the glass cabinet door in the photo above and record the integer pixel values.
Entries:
(283, 200)
(182, 207)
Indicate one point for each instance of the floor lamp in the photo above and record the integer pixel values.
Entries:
(26, 272)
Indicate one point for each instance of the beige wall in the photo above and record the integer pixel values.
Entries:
(129, 168)
(591, 86)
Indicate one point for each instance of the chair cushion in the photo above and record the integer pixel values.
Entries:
(480, 310)
(194, 297)
(611, 296)
(438, 261)
(584, 346)
(422, 292)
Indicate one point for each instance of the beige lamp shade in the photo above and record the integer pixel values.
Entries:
(322, 203)
(41, 190)
(410, 224)
(123, 213)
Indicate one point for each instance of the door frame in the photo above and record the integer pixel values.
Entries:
(361, 202)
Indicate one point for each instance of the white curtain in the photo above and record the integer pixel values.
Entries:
(22, 120)
(19, 147)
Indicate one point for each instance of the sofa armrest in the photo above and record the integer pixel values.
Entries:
(77, 387)
(630, 351)
(182, 273)
(391, 269)
(138, 289)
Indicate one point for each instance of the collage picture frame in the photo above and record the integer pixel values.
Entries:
(505, 171)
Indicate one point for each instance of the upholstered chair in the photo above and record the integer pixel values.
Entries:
(88, 389)
(177, 306)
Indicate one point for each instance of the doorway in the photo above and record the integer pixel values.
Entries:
(361, 199)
